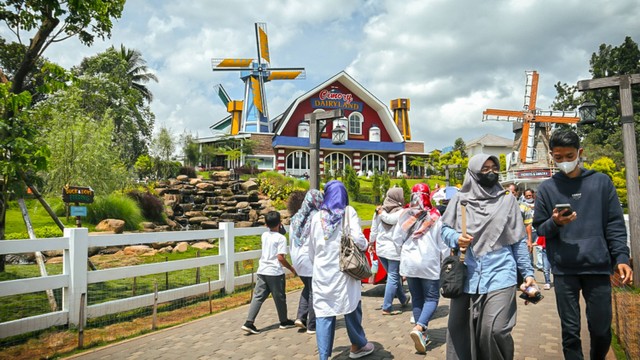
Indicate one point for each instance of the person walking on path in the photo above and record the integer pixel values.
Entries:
(271, 275)
(584, 244)
(422, 252)
(481, 320)
(388, 249)
(299, 231)
(334, 292)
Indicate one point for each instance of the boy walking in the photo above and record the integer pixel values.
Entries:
(271, 275)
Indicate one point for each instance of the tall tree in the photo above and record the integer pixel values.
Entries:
(137, 72)
(162, 147)
(190, 149)
(459, 145)
(45, 22)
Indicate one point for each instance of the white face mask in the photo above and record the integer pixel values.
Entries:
(567, 167)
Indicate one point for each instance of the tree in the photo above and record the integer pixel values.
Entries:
(190, 149)
(48, 21)
(115, 80)
(606, 132)
(351, 182)
(163, 147)
(385, 184)
(406, 190)
(375, 187)
(460, 146)
(417, 163)
(144, 166)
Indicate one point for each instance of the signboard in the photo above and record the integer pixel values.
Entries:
(333, 99)
(533, 173)
(77, 194)
(78, 210)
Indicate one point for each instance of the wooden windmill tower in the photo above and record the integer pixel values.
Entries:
(400, 109)
(255, 73)
(531, 124)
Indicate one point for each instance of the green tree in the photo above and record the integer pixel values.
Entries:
(417, 164)
(115, 79)
(375, 187)
(144, 166)
(385, 184)
(190, 149)
(406, 190)
(45, 22)
(351, 182)
(162, 148)
(460, 146)
(606, 132)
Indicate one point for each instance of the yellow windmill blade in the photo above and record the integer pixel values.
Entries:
(230, 64)
(287, 75)
(263, 42)
(257, 94)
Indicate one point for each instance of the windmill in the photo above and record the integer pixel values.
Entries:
(255, 73)
(529, 117)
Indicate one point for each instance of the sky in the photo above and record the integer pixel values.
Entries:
(451, 58)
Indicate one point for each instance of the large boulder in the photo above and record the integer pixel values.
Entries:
(249, 186)
(115, 225)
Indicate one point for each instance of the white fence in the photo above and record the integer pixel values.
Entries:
(76, 276)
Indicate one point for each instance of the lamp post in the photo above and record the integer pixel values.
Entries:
(338, 137)
(446, 171)
(624, 82)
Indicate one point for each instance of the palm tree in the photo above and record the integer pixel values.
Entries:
(137, 71)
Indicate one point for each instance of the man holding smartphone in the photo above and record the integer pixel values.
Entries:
(579, 212)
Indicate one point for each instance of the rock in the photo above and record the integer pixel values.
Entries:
(94, 250)
(181, 247)
(253, 216)
(202, 245)
(52, 253)
(206, 186)
(150, 253)
(195, 181)
(182, 178)
(55, 260)
(198, 219)
(137, 250)
(148, 225)
(115, 225)
(109, 250)
(249, 186)
(244, 224)
(165, 250)
(191, 214)
(209, 224)
(242, 205)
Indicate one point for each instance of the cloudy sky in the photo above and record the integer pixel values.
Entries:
(452, 58)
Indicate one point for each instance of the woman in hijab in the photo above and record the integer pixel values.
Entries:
(334, 292)
(300, 229)
(418, 231)
(384, 221)
(481, 320)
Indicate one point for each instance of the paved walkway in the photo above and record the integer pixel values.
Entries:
(536, 335)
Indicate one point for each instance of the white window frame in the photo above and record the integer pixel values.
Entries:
(355, 123)
(364, 163)
(329, 165)
(302, 158)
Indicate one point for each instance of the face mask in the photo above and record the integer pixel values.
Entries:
(529, 201)
(567, 167)
(488, 180)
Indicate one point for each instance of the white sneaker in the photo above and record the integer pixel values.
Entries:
(412, 320)
(363, 351)
(547, 286)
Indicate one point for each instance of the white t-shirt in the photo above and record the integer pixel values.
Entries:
(383, 235)
(300, 258)
(334, 292)
(273, 243)
(421, 257)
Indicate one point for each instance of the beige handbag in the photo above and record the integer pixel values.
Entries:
(353, 261)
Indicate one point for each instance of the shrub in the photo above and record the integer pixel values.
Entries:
(115, 207)
(279, 187)
(351, 182)
(41, 233)
(190, 171)
(152, 207)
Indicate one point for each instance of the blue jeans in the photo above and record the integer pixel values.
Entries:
(326, 331)
(393, 288)
(424, 298)
(546, 266)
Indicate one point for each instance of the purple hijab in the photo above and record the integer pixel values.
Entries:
(336, 200)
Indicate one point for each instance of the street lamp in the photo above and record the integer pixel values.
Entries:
(338, 137)
(587, 113)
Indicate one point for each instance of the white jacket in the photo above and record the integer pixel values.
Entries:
(386, 245)
(421, 257)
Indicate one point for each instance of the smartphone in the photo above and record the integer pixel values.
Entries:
(564, 209)
(533, 300)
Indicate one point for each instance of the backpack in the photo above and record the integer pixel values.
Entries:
(453, 273)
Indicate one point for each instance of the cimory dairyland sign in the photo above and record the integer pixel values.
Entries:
(332, 99)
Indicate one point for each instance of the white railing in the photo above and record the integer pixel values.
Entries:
(76, 276)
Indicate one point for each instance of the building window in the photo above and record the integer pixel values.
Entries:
(355, 123)
(260, 162)
(373, 162)
(297, 163)
(336, 162)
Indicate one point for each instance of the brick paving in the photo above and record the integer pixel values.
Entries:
(536, 335)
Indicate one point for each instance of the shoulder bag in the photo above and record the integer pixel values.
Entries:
(453, 271)
(353, 261)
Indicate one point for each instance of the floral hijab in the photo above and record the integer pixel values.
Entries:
(301, 221)
(420, 216)
(332, 209)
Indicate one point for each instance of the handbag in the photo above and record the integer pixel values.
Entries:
(453, 271)
(453, 274)
(353, 261)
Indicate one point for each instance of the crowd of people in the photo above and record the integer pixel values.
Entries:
(504, 238)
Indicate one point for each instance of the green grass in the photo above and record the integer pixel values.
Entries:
(37, 214)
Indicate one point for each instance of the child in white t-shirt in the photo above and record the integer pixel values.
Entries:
(271, 275)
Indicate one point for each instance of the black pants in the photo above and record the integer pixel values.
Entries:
(596, 290)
